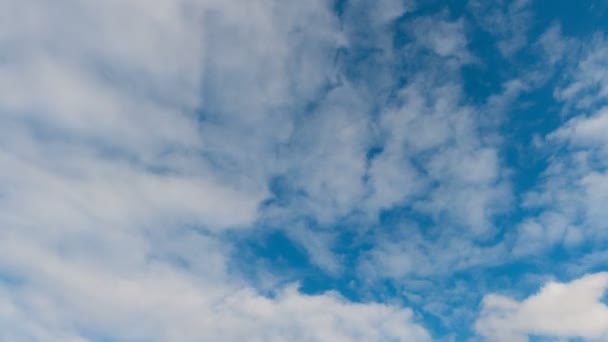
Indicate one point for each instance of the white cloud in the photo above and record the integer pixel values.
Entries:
(379, 13)
(445, 38)
(407, 252)
(562, 310)
(509, 21)
(444, 168)
(74, 294)
(573, 187)
(555, 46)
(585, 131)
(587, 84)
(132, 136)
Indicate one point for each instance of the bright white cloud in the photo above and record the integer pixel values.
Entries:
(562, 310)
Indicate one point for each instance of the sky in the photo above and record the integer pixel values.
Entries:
(319, 170)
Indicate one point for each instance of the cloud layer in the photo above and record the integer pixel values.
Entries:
(147, 150)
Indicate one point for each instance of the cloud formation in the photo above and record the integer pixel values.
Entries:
(562, 310)
(147, 150)
(133, 136)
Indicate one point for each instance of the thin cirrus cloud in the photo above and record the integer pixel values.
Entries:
(149, 152)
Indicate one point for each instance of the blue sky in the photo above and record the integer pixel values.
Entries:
(265, 170)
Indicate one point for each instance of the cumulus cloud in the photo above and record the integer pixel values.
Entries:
(558, 310)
